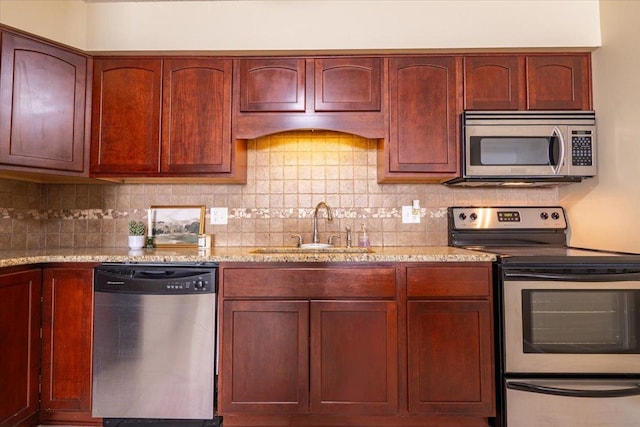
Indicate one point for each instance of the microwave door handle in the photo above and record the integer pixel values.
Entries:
(560, 140)
(534, 388)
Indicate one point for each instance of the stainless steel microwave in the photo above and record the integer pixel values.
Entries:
(528, 148)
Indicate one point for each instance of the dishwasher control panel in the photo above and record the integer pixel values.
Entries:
(155, 279)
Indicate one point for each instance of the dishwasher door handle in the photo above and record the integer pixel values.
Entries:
(534, 388)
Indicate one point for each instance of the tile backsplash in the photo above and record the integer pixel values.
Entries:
(288, 174)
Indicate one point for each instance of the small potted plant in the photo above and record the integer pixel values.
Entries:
(136, 235)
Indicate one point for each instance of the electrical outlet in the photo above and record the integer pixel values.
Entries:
(408, 217)
(219, 216)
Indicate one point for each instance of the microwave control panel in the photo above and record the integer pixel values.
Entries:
(581, 148)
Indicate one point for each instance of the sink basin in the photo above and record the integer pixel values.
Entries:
(311, 248)
(316, 246)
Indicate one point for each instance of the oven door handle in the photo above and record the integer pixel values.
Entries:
(590, 277)
(534, 388)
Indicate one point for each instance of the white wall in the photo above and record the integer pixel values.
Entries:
(310, 25)
(615, 194)
(64, 21)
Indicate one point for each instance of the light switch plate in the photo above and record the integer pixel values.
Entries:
(219, 216)
(408, 217)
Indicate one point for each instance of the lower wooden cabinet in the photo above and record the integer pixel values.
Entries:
(19, 346)
(305, 355)
(367, 345)
(267, 346)
(450, 357)
(354, 357)
(67, 319)
(300, 357)
(450, 339)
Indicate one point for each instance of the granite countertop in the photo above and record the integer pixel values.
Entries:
(242, 254)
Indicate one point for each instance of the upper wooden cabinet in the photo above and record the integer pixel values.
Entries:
(494, 83)
(164, 117)
(559, 82)
(126, 117)
(279, 94)
(527, 82)
(272, 84)
(196, 116)
(348, 84)
(42, 108)
(422, 143)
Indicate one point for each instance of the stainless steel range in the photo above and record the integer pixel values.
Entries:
(567, 320)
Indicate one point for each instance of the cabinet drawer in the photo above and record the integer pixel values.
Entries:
(449, 281)
(376, 282)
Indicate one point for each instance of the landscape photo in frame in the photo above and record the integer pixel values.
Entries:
(176, 226)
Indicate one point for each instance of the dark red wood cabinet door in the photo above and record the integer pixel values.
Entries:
(450, 357)
(67, 324)
(494, 83)
(126, 116)
(265, 367)
(354, 357)
(196, 116)
(423, 135)
(42, 105)
(272, 84)
(559, 82)
(19, 345)
(348, 84)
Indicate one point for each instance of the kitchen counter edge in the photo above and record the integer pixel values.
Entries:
(238, 254)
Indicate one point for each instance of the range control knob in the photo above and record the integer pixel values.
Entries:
(473, 216)
(199, 284)
(555, 215)
(544, 215)
(462, 216)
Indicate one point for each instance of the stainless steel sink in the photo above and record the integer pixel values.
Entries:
(311, 248)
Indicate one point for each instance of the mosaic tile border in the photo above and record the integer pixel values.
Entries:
(234, 213)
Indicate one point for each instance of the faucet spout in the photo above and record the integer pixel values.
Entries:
(315, 219)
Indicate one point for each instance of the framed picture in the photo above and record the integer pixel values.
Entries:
(176, 226)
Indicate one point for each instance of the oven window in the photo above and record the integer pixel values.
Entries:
(525, 151)
(581, 321)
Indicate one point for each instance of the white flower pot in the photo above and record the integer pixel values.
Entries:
(136, 242)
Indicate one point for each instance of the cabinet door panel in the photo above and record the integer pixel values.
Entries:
(450, 357)
(19, 345)
(126, 116)
(348, 84)
(557, 82)
(42, 105)
(423, 115)
(354, 357)
(494, 83)
(196, 125)
(67, 325)
(265, 357)
(272, 84)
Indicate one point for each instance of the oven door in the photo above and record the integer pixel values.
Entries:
(573, 403)
(505, 150)
(562, 326)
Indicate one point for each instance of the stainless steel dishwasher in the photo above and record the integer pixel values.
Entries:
(154, 341)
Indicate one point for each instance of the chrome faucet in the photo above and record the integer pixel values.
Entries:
(315, 219)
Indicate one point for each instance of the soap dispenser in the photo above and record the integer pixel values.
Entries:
(363, 237)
